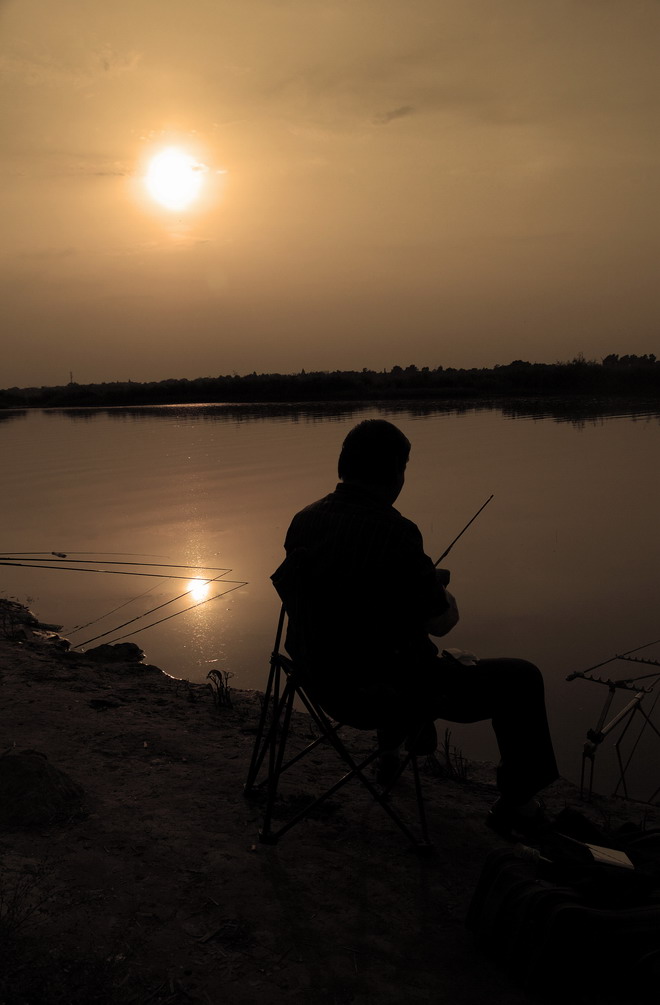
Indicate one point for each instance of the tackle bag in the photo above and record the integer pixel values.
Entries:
(566, 915)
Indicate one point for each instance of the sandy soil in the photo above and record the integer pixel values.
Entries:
(159, 890)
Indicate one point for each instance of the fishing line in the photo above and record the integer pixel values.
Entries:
(79, 628)
(175, 615)
(94, 621)
(146, 614)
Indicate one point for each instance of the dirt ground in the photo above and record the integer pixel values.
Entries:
(156, 889)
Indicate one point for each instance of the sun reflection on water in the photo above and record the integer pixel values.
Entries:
(199, 589)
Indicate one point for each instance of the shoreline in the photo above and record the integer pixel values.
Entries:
(156, 889)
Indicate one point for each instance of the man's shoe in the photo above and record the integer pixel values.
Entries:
(513, 824)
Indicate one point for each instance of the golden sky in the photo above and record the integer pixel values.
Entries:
(438, 182)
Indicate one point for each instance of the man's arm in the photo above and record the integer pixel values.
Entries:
(424, 593)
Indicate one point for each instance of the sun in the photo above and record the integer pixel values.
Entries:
(174, 178)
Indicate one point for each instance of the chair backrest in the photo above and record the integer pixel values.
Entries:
(362, 707)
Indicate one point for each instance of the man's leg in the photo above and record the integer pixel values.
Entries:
(510, 692)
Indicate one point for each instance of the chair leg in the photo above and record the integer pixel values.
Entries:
(356, 770)
(276, 757)
(271, 696)
(260, 747)
(421, 808)
(270, 746)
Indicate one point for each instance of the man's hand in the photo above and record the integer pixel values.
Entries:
(443, 623)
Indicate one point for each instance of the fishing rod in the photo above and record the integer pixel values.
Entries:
(63, 554)
(447, 550)
(152, 611)
(89, 561)
(107, 572)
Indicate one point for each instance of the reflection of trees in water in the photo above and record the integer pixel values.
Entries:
(580, 411)
(79, 414)
(576, 411)
(12, 413)
(308, 412)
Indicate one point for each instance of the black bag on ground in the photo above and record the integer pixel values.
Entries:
(563, 916)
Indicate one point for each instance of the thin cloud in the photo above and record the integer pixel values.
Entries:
(47, 254)
(36, 68)
(395, 113)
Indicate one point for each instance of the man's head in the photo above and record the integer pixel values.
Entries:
(375, 452)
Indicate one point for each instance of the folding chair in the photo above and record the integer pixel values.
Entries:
(286, 682)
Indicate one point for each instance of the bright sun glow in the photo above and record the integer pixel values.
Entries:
(198, 589)
(174, 178)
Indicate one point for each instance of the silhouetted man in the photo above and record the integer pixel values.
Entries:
(362, 598)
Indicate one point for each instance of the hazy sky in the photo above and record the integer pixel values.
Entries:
(454, 182)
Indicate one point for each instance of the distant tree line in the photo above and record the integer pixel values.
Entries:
(615, 376)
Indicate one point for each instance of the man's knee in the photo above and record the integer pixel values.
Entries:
(517, 674)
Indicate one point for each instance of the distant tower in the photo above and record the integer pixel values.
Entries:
(71, 376)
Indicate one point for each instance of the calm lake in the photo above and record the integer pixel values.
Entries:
(561, 567)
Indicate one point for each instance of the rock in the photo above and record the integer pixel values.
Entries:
(33, 791)
(59, 643)
(14, 614)
(122, 652)
(11, 609)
